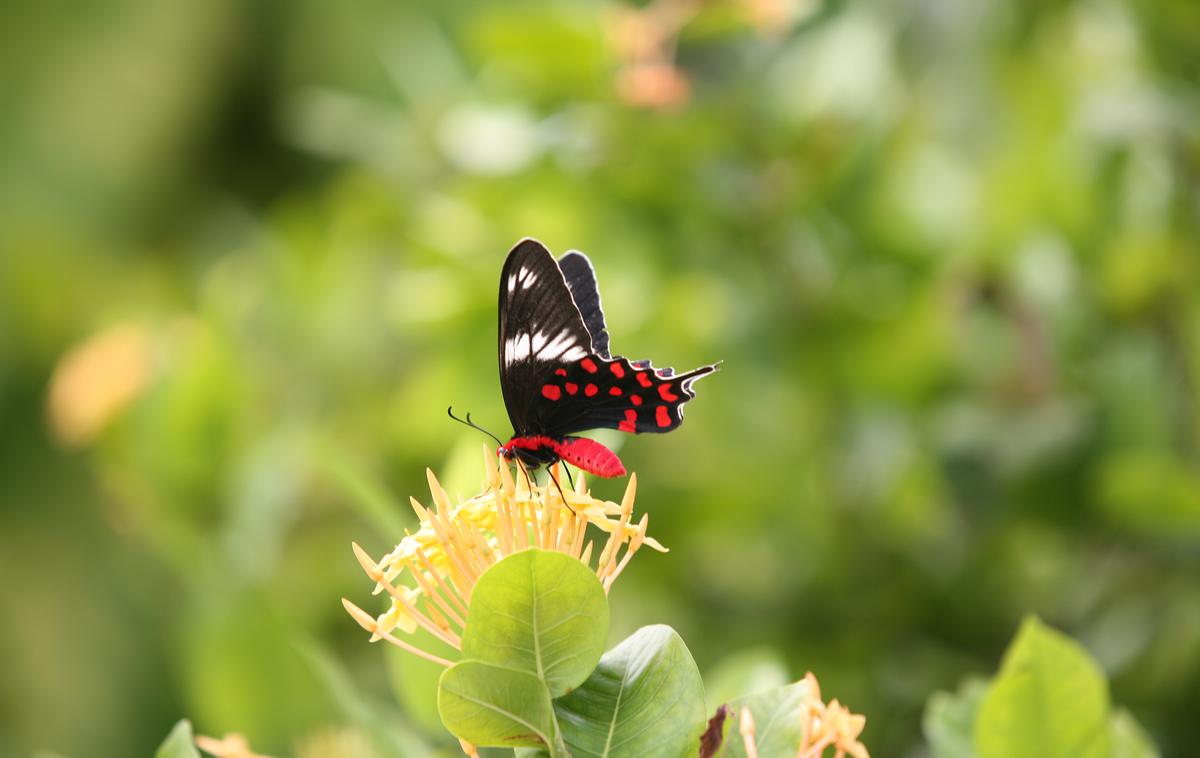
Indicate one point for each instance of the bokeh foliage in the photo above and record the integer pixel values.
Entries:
(948, 252)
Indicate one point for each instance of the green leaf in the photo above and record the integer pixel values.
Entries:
(179, 743)
(644, 699)
(778, 728)
(949, 721)
(1129, 739)
(540, 612)
(752, 670)
(496, 706)
(1049, 699)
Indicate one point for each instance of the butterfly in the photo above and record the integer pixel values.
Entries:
(557, 375)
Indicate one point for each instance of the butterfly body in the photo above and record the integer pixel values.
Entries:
(581, 452)
(556, 372)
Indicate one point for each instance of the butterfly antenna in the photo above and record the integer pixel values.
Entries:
(472, 424)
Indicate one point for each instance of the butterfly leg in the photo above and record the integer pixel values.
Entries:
(553, 478)
(525, 470)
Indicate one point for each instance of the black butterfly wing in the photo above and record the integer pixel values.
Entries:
(581, 279)
(556, 373)
(616, 393)
(541, 329)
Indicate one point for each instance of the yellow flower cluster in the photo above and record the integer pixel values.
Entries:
(431, 573)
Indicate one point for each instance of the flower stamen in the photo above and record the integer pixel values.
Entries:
(747, 731)
(372, 570)
(366, 621)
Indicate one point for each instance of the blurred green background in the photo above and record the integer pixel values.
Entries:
(948, 252)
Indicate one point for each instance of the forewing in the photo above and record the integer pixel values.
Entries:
(540, 329)
(581, 280)
(614, 393)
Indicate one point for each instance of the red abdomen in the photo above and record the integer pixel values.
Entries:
(581, 452)
(590, 456)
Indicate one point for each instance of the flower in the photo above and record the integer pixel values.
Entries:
(653, 85)
(822, 726)
(644, 41)
(431, 573)
(96, 380)
(229, 746)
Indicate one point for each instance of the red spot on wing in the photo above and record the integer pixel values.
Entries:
(629, 424)
(661, 417)
(664, 391)
(615, 391)
(635, 399)
(644, 380)
(551, 392)
(560, 372)
(618, 370)
(588, 365)
(590, 390)
(572, 388)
